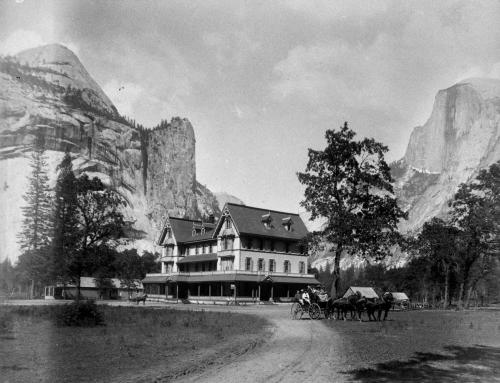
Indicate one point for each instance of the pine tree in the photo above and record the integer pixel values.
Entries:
(36, 227)
(65, 220)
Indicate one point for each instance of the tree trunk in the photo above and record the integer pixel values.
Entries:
(32, 289)
(460, 295)
(336, 273)
(467, 300)
(78, 281)
(446, 286)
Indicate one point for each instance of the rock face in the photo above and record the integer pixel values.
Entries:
(48, 90)
(461, 137)
(223, 198)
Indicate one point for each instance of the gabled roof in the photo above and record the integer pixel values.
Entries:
(250, 220)
(366, 292)
(182, 229)
(400, 296)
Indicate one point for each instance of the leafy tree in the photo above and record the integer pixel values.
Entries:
(475, 212)
(130, 266)
(88, 217)
(99, 220)
(36, 228)
(349, 185)
(438, 241)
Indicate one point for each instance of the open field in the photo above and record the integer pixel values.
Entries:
(137, 344)
(210, 346)
(412, 346)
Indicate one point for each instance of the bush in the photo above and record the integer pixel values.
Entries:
(80, 313)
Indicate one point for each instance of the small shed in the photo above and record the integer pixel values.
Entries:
(93, 288)
(366, 292)
(400, 297)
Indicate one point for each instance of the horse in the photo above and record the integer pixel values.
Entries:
(140, 298)
(380, 305)
(345, 305)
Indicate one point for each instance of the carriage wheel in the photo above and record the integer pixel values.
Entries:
(296, 311)
(314, 311)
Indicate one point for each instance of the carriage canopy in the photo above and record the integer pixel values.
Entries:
(366, 292)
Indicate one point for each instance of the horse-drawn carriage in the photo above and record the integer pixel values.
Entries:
(318, 304)
(355, 304)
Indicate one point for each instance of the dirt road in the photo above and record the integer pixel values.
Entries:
(298, 350)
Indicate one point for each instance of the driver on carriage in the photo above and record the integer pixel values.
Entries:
(304, 298)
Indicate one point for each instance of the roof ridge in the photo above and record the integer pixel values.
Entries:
(261, 208)
(185, 219)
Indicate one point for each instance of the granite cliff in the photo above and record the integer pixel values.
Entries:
(461, 136)
(48, 90)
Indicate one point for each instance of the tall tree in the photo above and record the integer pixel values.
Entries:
(476, 213)
(438, 241)
(349, 185)
(65, 237)
(36, 227)
(99, 220)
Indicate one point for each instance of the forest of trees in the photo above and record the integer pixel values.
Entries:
(69, 232)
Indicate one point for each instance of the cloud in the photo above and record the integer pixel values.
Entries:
(19, 40)
(231, 48)
(22, 39)
(134, 101)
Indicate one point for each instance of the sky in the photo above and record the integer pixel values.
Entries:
(261, 81)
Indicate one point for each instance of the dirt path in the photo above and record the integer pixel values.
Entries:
(299, 350)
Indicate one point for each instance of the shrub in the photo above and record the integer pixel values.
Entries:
(80, 313)
(6, 322)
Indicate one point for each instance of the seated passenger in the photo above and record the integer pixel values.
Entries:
(305, 298)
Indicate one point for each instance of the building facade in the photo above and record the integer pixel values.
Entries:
(249, 254)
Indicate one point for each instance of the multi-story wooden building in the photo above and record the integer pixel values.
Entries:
(250, 254)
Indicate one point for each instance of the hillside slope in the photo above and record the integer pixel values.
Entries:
(48, 90)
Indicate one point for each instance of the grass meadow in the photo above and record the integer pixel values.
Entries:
(135, 344)
(422, 346)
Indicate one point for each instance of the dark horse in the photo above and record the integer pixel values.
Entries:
(350, 304)
(380, 305)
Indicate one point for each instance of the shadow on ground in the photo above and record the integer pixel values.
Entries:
(458, 364)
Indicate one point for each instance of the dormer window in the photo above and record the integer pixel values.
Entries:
(266, 220)
(287, 223)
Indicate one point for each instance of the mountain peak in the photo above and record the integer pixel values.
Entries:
(487, 87)
(65, 68)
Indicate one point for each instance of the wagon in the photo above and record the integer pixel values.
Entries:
(319, 305)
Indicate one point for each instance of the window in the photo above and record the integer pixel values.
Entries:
(302, 267)
(197, 251)
(210, 248)
(261, 264)
(227, 263)
(169, 233)
(248, 264)
(272, 265)
(286, 266)
(227, 243)
(228, 223)
(203, 249)
(169, 251)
